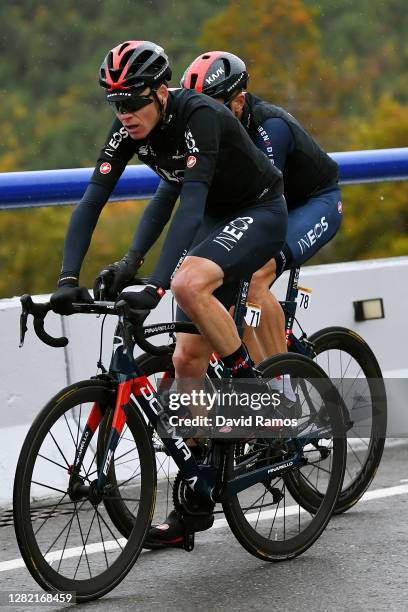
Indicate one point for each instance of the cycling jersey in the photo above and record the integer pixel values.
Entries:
(198, 142)
(306, 168)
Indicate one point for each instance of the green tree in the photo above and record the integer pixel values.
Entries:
(376, 215)
(280, 43)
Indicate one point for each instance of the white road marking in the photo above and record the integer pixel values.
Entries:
(218, 524)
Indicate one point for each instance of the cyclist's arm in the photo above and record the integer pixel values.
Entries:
(154, 217)
(181, 232)
(274, 138)
(202, 140)
(108, 170)
(81, 227)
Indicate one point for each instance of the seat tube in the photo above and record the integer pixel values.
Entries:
(240, 305)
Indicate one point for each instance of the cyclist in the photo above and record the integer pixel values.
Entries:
(232, 215)
(310, 184)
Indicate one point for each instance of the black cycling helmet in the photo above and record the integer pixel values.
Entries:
(218, 74)
(132, 66)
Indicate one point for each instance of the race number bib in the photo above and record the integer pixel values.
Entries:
(304, 298)
(253, 315)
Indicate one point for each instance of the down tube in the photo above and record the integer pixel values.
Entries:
(200, 478)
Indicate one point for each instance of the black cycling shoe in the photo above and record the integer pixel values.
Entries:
(173, 532)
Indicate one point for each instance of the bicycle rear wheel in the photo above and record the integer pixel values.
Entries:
(351, 365)
(67, 541)
(265, 518)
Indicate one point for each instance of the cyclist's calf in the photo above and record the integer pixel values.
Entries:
(191, 356)
(261, 281)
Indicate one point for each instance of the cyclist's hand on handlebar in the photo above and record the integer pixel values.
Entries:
(144, 300)
(116, 276)
(67, 293)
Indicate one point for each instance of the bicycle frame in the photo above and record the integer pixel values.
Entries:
(300, 345)
(208, 480)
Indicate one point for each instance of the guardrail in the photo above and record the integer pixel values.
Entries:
(56, 187)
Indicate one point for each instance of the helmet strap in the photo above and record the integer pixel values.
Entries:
(161, 106)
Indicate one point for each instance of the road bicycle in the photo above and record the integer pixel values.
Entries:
(352, 367)
(86, 479)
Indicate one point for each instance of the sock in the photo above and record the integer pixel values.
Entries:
(240, 363)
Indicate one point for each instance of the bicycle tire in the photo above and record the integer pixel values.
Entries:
(349, 342)
(270, 548)
(46, 422)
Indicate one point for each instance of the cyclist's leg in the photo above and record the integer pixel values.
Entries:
(269, 337)
(238, 247)
(311, 225)
(197, 297)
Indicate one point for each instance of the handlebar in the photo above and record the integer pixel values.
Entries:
(134, 317)
(39, 312)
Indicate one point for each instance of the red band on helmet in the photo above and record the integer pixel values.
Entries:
(117, 56)
(200, 67)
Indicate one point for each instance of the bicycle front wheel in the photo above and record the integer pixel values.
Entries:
(66, 538)
(266, 518)
(352, 367)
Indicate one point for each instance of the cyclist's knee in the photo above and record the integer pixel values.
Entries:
(196, 279)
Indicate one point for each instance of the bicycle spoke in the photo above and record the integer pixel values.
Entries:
(84, 545)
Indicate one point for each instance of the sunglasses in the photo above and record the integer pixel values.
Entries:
(130, 105)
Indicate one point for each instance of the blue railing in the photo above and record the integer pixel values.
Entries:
(53, 187)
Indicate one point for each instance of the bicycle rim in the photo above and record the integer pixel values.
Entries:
(71, 544)
(267, 518)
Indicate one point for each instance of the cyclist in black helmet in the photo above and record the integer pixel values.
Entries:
(310, 183)
(231, 218)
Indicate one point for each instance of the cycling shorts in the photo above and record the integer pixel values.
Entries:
(311, 225)
(240, 244)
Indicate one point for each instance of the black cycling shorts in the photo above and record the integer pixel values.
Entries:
(240, 244)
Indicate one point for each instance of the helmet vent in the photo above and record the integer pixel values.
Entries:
(123, 47)
(193, 81)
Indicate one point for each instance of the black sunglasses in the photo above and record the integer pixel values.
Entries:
(130, 105)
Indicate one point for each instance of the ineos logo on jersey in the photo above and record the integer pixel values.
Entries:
(233, 232)
(105, 168)
(340, 206)
(313, 234)
(143, 150)
(191, 161)
(190, 142)
(115, 141)
(214, 76)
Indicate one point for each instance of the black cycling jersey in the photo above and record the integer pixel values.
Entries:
(306, 167)
(198, 141)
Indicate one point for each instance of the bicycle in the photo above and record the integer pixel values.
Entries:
(353, 368)
(89, 455)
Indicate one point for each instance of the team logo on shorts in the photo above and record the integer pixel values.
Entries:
(340, 206)
(191, 161)
(105, 168)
